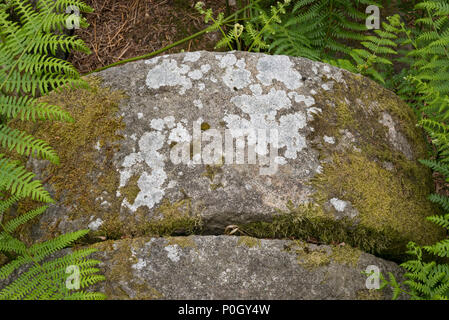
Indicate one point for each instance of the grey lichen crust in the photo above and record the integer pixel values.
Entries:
(332, 126)
(223, 267)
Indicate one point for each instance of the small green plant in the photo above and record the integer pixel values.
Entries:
(250, 35)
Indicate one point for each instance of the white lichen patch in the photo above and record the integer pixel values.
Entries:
(256, 89)
(94, 225)
(169, 74)
(149, 162)
(179, 134)
(308, 100)
(338, 204)
(192, 56)
(205, 68)
(195, 74)
(173, 252)
(197, 103)
(236, 76)
(150, 184)
(141, 264)
(262, 111)
(330, 140)
(157, 124)
(278, 68)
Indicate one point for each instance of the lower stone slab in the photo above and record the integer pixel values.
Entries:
(229, 267)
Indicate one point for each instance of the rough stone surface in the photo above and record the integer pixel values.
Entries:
(227, 267)
(345, 145)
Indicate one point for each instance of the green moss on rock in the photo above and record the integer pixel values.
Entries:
(346, 255)
(249, 242)
(370, 294)
(120, 270)
(386, 203)
(183, 242)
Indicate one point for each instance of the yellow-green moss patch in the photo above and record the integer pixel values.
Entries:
(370, 294)
(178, 217)
(386, 203)
(131, 190)
(307, 257)
(120, 270)
(346, 255)
(183, 242)
(249, 242)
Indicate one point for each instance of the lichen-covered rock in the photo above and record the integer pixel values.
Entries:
(227, 267)
(329, 155)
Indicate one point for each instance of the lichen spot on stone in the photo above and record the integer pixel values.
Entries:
(262, 111)
(168, 73)
(278, 68)
(338, 204)
(150, 185)
(173, 252)
(94, 225)
(249, 242)
(330, 140)
(191, 56)
(236, 76)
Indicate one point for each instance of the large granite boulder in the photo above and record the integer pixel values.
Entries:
(272, 146)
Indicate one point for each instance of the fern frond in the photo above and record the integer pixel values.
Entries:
(16, 179)
(24, 144)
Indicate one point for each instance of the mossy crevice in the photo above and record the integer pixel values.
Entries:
(310, 221)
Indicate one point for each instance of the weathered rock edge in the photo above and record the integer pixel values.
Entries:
(349, 148)
(228, 267)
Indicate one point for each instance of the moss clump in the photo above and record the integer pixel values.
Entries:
(86, 182)
(183, 242)
(175, 218)
(205, 126)
(307, 257)
(131, 190)
(249, 242)
(370, 294)
(389, 190)
(345, 118)
(85, 174)
(395, 207)
(120, 270)
(212, 171)
(346, 255)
